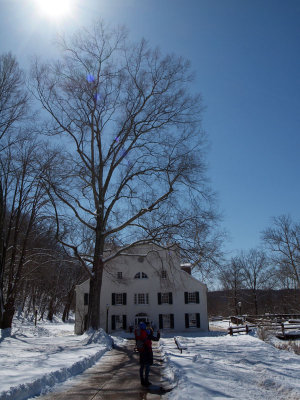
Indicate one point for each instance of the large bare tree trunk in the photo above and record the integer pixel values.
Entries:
(96, 284)
(94, 297)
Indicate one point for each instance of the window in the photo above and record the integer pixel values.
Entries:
(191, 297)
(164, 274)
(119, 275)
(86, 299)
(140, 275)
(118, 322)
(165, 298)
(192, 320)
(141, 298)
(118, 299)
(166, 321)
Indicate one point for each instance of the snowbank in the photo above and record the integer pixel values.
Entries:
(35, 359)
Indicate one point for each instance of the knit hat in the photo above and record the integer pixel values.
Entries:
(142, 325)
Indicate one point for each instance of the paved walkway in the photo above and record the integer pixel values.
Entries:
(114, 377)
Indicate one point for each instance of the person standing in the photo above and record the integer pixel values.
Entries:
(144, 338)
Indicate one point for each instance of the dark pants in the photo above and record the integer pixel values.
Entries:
(145, 367)
(146, 360)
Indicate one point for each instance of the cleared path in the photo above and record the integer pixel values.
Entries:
(114, 377)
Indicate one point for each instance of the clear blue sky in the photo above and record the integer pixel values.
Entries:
(246, 55)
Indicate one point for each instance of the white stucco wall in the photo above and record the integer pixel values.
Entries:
(81, 309)
(151, 261)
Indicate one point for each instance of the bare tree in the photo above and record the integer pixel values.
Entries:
(200, 241)
(49, 275)
(133, 147)
(13, 108)
(283, 242)
(25, 199)
(13, 96)
(256, 273)
(231, 278)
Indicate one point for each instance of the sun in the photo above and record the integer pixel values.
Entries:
(54, 8)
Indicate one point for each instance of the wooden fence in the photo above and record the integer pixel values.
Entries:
(240, 329)
(247, 328)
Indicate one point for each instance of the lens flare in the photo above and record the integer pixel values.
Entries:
(54, 8)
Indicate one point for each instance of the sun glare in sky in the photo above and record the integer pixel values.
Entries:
(54, 8)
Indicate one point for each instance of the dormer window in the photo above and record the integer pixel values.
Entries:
(119, 275)
(141, 275)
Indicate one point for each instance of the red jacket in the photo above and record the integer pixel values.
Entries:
(142, 336)
(145, 337)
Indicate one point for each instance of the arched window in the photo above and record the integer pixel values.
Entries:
(140, 275)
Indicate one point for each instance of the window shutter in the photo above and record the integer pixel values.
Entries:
(186, 297)
(187, 322)
(197, 298)
(124, 299)
(113, 322)
(198, 320)
(113, 299)
(160, 321)
(172, 321)
(159, 298)
(124, 322)
(170, 298)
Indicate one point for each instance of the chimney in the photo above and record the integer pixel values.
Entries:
(187, 268)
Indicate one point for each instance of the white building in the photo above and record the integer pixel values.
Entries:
(147, 284)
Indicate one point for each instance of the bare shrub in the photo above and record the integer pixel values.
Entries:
(295, 347)
(291, 346)
(264, 333)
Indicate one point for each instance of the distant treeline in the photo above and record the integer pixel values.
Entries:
(284, 301)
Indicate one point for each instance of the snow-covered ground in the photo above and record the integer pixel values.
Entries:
(216, 366)
(213, 365)
(34, 359)
(222, 325)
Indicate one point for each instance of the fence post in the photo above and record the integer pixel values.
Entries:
(230, 331)
(247, 329)
(282, 328)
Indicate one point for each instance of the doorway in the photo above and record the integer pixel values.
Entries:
(141, 317)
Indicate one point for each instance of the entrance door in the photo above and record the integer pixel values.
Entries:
(141, 317)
